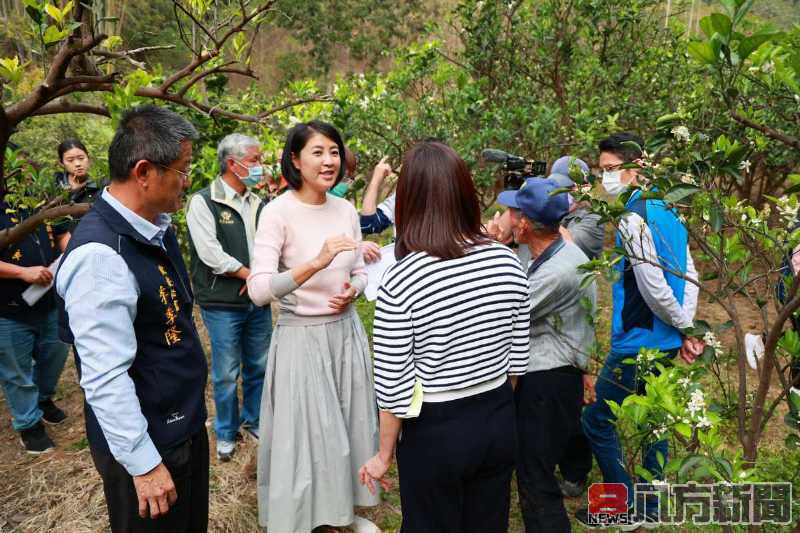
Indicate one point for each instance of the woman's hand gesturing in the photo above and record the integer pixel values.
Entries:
(332, 247)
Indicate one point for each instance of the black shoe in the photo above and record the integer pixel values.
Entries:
(51, 414)
(35, 440)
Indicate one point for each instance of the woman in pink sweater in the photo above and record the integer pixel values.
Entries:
(318, 410)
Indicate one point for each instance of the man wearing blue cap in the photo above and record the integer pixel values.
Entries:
(580, 225)
(550, 395)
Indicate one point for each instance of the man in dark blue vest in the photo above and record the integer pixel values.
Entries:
(651, 308)
(222, 221)
(127, 308)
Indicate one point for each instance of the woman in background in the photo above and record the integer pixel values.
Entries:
(318, 416)
(74, 159)
(451, 327)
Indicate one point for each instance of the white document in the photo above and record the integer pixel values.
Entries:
(375, 271)
(34, 293)
(754, 349)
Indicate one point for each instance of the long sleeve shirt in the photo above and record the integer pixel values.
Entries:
(561, 329)
(382, 218)
(657, 294)
(100, 295)
(203, 228)
(291, 233)
(444, 327)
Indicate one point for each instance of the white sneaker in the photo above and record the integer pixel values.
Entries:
(225, 449)
(362, 525)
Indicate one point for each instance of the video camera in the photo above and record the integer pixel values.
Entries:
(517, 169)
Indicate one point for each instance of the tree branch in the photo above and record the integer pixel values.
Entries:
(16, 234)
(64, 106)
(127, 55)
(226, 69)
(772, 133)
(50, 88)
(197, 62)
(198, 23)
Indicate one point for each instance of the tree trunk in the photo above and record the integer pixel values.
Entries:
(667, 14)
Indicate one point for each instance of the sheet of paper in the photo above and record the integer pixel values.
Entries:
(34, 293)
(376, 270)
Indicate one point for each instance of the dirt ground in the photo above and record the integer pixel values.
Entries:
(61, 491)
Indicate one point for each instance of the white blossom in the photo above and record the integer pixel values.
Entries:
(704, 422)
(745, 166)
(768, 67)
(681, 133)
(709, 338)
(697, 402)
(689, 179)
(684, 382)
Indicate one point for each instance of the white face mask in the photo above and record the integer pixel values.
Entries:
(612, 182)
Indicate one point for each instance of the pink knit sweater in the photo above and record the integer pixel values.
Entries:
(291, 233)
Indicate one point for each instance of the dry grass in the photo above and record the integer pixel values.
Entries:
(62, 492)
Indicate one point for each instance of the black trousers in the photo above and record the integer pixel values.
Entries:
(576, 463)
(548, 419)
(187, 464)
(455, 463)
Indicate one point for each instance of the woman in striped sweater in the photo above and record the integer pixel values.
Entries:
(451, 326)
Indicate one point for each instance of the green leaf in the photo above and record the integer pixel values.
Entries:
(669, 118)
(752, 43)
(680, 191)
(701, 51)
(644, 473)
(587, 280)
(743, 9)
(707, 26)
(792, 441)
(730, 6)
(794, 401)
(54, 13)
(684, 429)
(721, 24)
(54, 35)
(689, 463)
(34, 11)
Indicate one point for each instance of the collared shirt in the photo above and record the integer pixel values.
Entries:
(637, 238)
(203, 228)
(100, 295)
(561, 330)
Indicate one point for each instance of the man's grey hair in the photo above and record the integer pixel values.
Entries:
(234, 145)
(147, 132)
(543, 228)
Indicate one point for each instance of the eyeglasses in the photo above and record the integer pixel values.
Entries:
(186, 175)
(612, 168)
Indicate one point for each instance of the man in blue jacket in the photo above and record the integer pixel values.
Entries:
(651, 306)
(127, 308)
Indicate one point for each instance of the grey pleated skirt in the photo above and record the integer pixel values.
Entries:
(319, 423)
